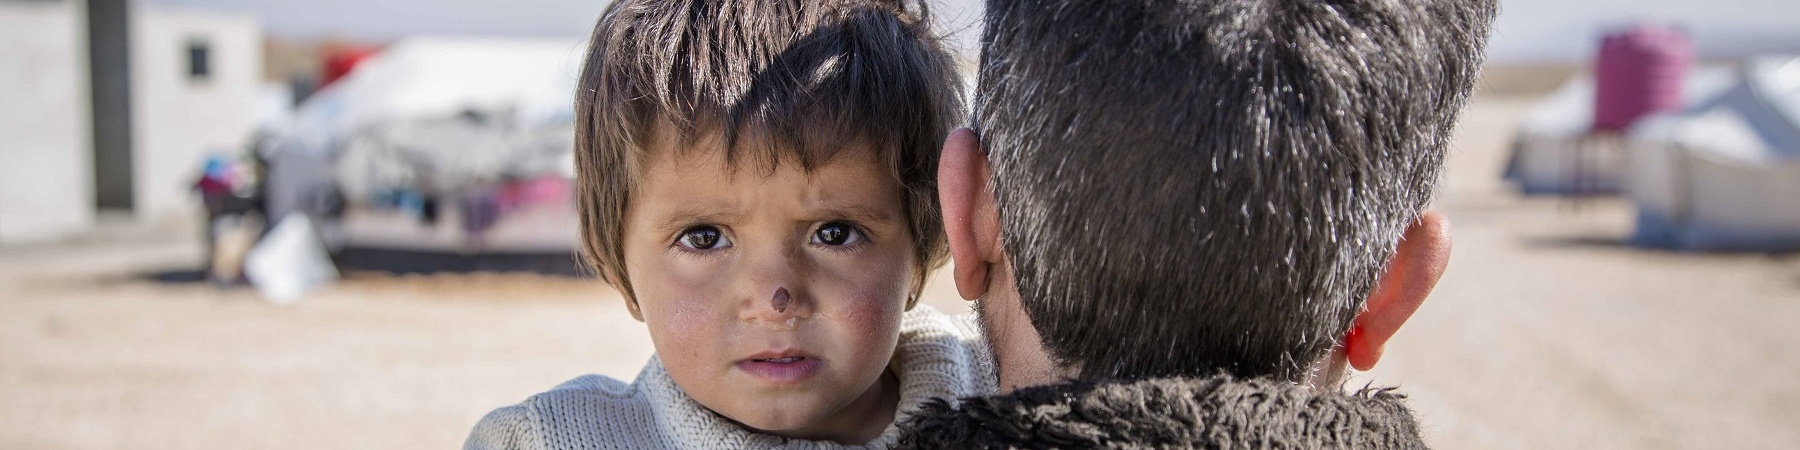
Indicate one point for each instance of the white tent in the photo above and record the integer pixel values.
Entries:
(440, 76)
(411, 103)
(1553, 152)
(1723, 174)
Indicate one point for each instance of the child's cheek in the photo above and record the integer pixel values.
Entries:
(861, 309)
(687, 310)
(686, 316)
(871, 299)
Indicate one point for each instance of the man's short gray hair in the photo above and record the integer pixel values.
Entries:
(1188, 187)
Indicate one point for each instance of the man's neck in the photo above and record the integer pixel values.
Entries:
(1022, 361)
(1330, 372)
(1019, 352)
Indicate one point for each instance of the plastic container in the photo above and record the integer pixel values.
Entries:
(1640, 71)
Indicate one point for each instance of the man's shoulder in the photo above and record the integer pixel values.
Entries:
(1181, 412)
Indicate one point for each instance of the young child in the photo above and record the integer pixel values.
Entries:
(757, 179)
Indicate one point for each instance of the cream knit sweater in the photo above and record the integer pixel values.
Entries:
(938, 356)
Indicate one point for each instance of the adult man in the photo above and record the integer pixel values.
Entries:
(1183, 219)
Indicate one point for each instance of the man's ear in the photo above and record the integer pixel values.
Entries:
(1419, 260)
(971, 221)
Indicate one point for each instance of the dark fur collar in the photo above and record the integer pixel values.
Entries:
(1218, 412)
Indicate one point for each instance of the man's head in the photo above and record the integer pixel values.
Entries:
(1185, 187)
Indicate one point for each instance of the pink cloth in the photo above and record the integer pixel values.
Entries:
(210, 185)
(535, 191)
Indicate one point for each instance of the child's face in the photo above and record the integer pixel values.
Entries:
(773, 299)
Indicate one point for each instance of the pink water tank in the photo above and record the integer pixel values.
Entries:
(1640, 72)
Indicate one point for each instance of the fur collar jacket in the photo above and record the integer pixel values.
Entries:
(1218, 412)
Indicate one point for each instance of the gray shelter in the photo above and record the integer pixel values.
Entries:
(1723, 174)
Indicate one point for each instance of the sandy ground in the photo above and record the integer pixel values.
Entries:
(1547, 332)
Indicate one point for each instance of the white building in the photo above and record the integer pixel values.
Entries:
(46, 156)
(114, 104)
(195, 81)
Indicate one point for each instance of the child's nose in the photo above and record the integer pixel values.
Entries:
(775, 292)
(781, 309)
(780, 301)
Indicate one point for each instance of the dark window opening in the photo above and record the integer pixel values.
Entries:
(199, 56)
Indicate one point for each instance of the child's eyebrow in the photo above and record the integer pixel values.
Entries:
(856, 213)
(680, 218)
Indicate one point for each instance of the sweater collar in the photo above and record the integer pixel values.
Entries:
(1205, 412)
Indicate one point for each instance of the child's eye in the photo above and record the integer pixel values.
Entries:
(837, 233)
(704, 237)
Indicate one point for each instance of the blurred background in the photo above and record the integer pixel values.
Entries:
(348, 224)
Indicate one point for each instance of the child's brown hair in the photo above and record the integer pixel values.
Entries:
(778, 81)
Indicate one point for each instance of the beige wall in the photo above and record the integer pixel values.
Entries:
(46, 174)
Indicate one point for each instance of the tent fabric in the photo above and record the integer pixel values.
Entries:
(1555, 152)
(435, 76)
(442, 116)
(446, 155)
(1723, 174)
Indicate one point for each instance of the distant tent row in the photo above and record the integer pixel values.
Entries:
(1554, 148)
(1720, 173)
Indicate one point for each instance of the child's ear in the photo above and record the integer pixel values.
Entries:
(631, 305)
(1419, 260)
(625, 293)
(971, 221)
(920, 276)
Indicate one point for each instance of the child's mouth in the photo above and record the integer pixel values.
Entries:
(787, 369)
